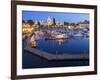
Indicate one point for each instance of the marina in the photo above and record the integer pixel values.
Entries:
(55, 47)
(50, 56)
(53, 43)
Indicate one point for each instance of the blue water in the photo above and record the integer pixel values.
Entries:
(72, 46)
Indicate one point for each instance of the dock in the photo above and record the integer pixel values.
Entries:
(51, 56)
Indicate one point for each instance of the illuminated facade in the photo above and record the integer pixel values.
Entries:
(49, 21)
(26, 28)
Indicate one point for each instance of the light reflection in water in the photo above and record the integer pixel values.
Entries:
(60, 41)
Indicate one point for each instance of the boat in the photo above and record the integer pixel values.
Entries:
(33, 41)
(78, 35)
(59, 36)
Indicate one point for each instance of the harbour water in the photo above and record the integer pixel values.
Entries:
(71, 46)
(66, 46)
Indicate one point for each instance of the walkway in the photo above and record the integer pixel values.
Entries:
(50, 56)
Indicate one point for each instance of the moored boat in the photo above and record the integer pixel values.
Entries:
(33, 41)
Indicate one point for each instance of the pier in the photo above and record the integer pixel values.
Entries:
(50, 56)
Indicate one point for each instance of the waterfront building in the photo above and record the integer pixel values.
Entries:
(43, 23)
(71, 27)
(84, 24)
(26, 28)
(49, 21)
(60, 23)
(36, 23)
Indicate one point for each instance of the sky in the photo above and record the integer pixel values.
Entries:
(59, 16)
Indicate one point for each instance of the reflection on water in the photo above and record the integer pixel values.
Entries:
(60, 41)
(72, 46)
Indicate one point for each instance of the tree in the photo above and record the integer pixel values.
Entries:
(54, 22)
(30, 22)
(38, 23)
(23, 21)
(73, 24)
(66, 23)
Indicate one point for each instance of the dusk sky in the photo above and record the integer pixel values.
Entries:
(59, 16)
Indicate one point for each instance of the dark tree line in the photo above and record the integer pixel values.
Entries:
(31, 22)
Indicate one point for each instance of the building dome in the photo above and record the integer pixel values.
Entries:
(49, 21)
